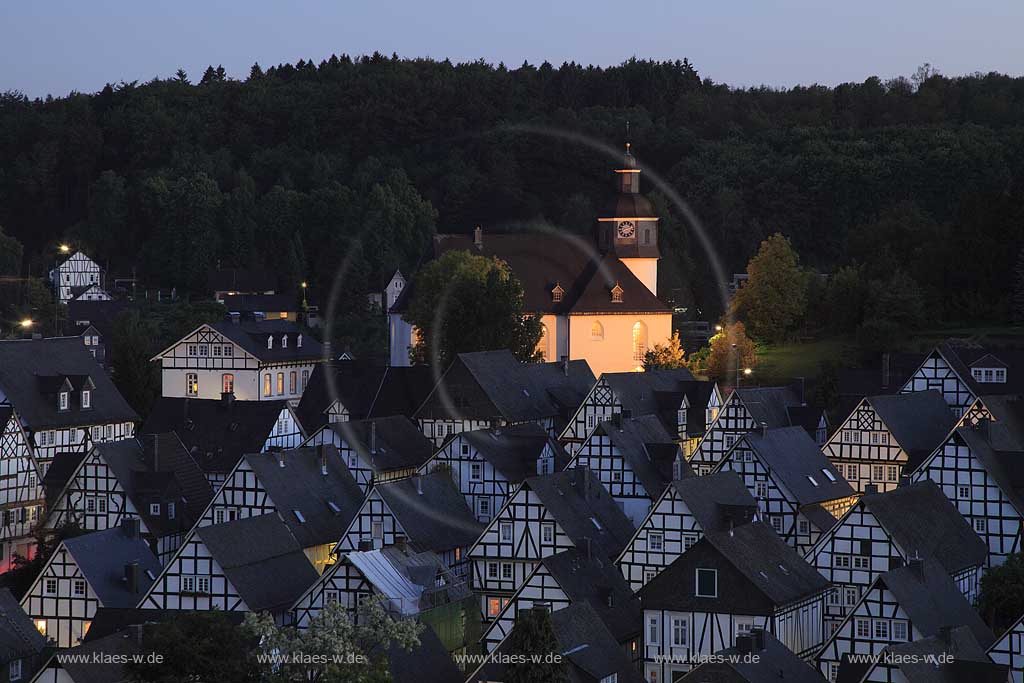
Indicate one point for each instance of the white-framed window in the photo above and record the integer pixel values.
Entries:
(841, 561)
(90, 505)
(730, 440)
(64, 400)
(191, 384)
(50, 586)
(885, 438)
(899, 630)
(331, 596)
(861, 562)
(617, 476)
(483, 506)
(203, 585)
(707, 583)
(547, 533)
(494, 606)
(892, 473)
(963, 492)
(863, 628)
(377, 530)
(292, 382)
(492, 570)
(649, 575)
(777, 523)
(680, 632)
(108, 432)
(78, 588)
(689, 540)
(204, 350)
(655, 542)
(267, 385)
(505, 532)
(188, 584)
(833, 671)
(218, 516)
(653, 630)
(881, 629)
(761, 489)
(803, 527)
(170, 510)
(154, 509)
(14, 672)
(86, 398)
(852, 595)
(476, 471)
(229, 350)
(270, 341)
(193, 350)
(980, 525)
(280, 384)
(506, 571)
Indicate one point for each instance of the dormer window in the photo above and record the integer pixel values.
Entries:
(989, 375)
(298, 341)
(63, 400)
(86, 399)
(284, 341)
(617, 293)
(270, 342)
(557, 293)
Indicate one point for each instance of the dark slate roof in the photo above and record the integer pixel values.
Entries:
(252, 336)
(101, 314)
(769, 406)
(18, 635)
(1006, 468)
(647, 447)
(822, 519)
(109, 669)
(428, 662)
(576, 499)
(301, 485)
(946, 536)
(776, 663)
(496, 385)
(59, 473)
(364, 389)
(793, 456)
(1006, 428)
(716, 499)
(399, 442)
(698, 394)
(102, 555)
(261, 559)
(261, 303)
(919, 421)
(216, 432)
(638, 392)
(437, 519)
(597, 582)
(963, 356)
(917, 659)
(242, 280)
(32, 370)
(514, 450)
(871, 378)
(932, 600)
(756, 551)
(110, 620)
(540, 261)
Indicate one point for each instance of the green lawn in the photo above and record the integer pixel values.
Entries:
(781, 363)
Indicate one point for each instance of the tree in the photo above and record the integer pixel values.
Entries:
(198, 646)
(774, 297)
(11, 253)
(1001, 600)
(894, 307)
(466, 302)
(364, 643)
(668, 356)
(25, 570)
(534, 637)
(729, 348)
(133, 343)
(844, 299)
(181, 76)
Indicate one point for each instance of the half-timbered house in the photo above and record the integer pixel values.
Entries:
(377, 450)
(493, 388)
(962, 372)
(111, 568)
(311, 490)
(885, 530)
(685, 511)
(22, 500)
(903, 605)
(426, 511)
(94, 322)
(888, 437)
(75, 272)
(252, 564)
(953, 656)
(489, 464)
(755, 408)
(635, 459)
(685, 405)
(727, 584)
(21, 645)
(218, 432)
(569, 577)
(352, 390)
(62, 397)
(264, 360)
(546, 515)
(984, 483)
(757, 657)
(152, 480)
(799, 492)
(1008, 649)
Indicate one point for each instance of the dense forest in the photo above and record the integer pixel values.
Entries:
(358, 161)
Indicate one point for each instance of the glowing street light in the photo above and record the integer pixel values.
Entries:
(718, 328)
(64, 248)
(747, 371)
(26, 323)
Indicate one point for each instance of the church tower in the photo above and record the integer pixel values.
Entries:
(628, 227)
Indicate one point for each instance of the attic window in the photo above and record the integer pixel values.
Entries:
(828, 475)
(284, 341)
(617, 293)
(86, 399)
(63, 400)
(298, 516)
(593, 520)
(811, 479)
(557, 293)
(270, 342)
(298, 341)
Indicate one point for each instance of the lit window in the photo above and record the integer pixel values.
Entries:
(41, 626)
(596, 331)
(203, 584)
(377, 530)
(228, 350)
(639, 341)
(284, 341)
(292, 380)
(191, 384)
(227, 383)
(266, 385)
(280, 384)
(493, 607)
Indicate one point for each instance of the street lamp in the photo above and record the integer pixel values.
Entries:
(64, 248)
(304, 285)
(718, 328)
(26, 323)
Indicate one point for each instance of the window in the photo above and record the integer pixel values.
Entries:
(653, 630)
(861, 562)
(229, 350)
(14, 670)
(64, 400)
(863, 628)
(464, 449)
(270, 342)
(217, 349)
(280, 384)
(855, 437)
(689, 540)
(483, 506)
(292, 382)
(154, 509)
(218, 516)
(877, 472)
(475, 471)
(284, 341)
(331, 596)
(852, 595)
(204, 350)
(547, 533)
(102, 505)
(881, 629)
(841, 561)
(707, 583)
(899, 630)
(730, 440)
(639, 341)
(744, 626)
(191, 384)
(777, 523)
(885, 439)
(304, 376)
(506, 571)
(648, 576)
(170, 510)
(852, 473)
(680, 632)
(761, 489)
(203, 584)
(50, 587)
(90, 505)
(192, 350)
(86, 398)
(188, 584)
(505, 532)
(596, 331)
(266, 384)
(617, 476)
(833, 671)
(493, 607)
(656, 542)
(78, 588)
(874, 437)
(892, 473)
(227, 384)
(492, 570)
(979, 525)
(803, 527)
(377, 530)
(963, 492)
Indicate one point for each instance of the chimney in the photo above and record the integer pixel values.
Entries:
(131, 576)
(401, 542)
(916, 565)
(419, 485)
(130, 527)
(565, 365)
(744, 644)
(886, 370)
(764, 429)
(617, 421)
(322, 452)
(478, 237)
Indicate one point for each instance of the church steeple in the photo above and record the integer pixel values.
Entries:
(628, 175)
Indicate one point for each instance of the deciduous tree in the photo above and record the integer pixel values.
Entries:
(668, 356)
(729, 349)
(774, 297)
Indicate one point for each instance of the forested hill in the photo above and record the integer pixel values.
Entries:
(286, 167)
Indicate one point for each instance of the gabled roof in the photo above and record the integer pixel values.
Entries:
(385, 443)
(1006, 468)
(110, 652)
(795, 459)
(252, 336)
(932, 600)
(18, 635)
(697, 394)
(945, 536)
(488, 385)
(1006, 428)
(769, 406)
(364, 390)
(717, 500)
(919, 421)
(514, 450)
(216, 432)
(101, 556)
(647, 447)
(584, 510)
(261, 559)
(428, 662)
(775, 663)
(406, 579)
(302, 486)
(32, 371)
(916, 660)
(59, 473)
(432, 511)
(637, 391)
(962, 356)
(242, 280)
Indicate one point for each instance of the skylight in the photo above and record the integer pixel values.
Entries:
(333, 506)
(596, 523)
(828, 474)
(298, 516)
(811, 479)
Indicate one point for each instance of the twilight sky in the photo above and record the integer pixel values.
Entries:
(54, 46)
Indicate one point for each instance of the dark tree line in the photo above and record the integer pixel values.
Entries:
(358, 161)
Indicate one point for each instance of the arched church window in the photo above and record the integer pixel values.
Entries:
(597, 331)
(639, 341)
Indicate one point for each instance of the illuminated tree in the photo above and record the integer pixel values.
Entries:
(729, 349)
(774, 298)
(666, 356)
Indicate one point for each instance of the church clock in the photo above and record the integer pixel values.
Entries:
(626, 229)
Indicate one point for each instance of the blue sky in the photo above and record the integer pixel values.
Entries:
(54, 46)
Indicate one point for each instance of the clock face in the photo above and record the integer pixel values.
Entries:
(626, 229)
